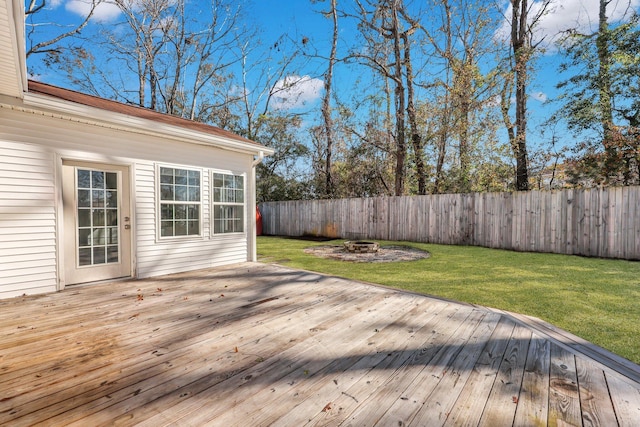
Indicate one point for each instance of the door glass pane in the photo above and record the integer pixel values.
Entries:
(84, 178)
(111, 199)
(98, 217)
(97, 179)
(99, 254)
(112, 180)
(84, 237)
(97, 232)
(97, 198)
(84, 218)
(112, 236)
(112, 217)
(84, 198)
(84, 256)
(112, 254)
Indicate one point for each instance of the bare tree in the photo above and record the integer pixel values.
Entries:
(386, 29)
(205, 54)
(460, 38)
(51, 44)
(161, 55)
(416, 137)
(324, 136)
(523, 21)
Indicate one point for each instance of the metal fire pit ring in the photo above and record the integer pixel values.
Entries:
(361, 247)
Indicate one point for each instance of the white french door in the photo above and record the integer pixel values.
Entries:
(97, 225)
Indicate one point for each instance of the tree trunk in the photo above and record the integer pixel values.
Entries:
(604, 89)
(326, 105)
(521, 52)
(464, 92)
(442, 151)
(416, 138)
(445, 120)
(401, 147)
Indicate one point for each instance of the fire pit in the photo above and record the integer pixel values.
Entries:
(361, 247)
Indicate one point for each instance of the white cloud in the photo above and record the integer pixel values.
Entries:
(539, 96)
(562, 15)
(296, 91)
(105, 11)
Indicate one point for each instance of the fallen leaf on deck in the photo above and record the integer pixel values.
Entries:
(515, 399)
(327, 407)
(140, 297)
(235, 349)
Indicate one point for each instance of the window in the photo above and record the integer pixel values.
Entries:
(97, 217)
(228, 203)
(180, 202)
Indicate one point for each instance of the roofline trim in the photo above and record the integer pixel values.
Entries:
(81, 113)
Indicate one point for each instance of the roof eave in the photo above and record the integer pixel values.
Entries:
(114, 120)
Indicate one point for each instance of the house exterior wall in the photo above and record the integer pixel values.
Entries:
(27, 219)
(32, 149)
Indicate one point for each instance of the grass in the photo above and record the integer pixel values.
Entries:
(596, 299)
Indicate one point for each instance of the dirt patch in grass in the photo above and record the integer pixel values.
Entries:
(384, 254)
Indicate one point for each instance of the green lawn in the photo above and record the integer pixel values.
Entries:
(595, 299)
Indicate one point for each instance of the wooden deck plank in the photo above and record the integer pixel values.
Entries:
(625, 397)
(440, 401)
(595, 401)
(339, 353)
(286, 347)
(392, 351)
(470, 404)
(256, 341)
(377, 385)
(400, 402)
(533, 401)
(183, 316)
(137, 362)
(503, 400)
(295, 360)
(576, 344)
(352, 388)
(564, 399)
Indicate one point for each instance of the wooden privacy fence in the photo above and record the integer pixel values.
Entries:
(600, 222)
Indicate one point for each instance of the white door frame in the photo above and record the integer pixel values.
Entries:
(65, 231)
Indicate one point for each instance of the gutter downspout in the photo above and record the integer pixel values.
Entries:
(253, 248)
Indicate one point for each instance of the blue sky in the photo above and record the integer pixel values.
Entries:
(300, 18)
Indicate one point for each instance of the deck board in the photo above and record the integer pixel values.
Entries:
(257, 344)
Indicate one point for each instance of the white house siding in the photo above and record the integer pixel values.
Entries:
(27, 220)
(34, 146)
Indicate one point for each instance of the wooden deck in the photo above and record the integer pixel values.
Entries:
(257, 344)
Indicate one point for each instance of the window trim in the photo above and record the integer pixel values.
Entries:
(160, 202)
(213, 203)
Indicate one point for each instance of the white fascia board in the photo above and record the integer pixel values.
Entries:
(55, 107)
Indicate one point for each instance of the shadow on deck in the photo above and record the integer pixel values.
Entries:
(256, 344)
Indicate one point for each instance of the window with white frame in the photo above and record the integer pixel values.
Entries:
(180, 202)
(228, 203)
